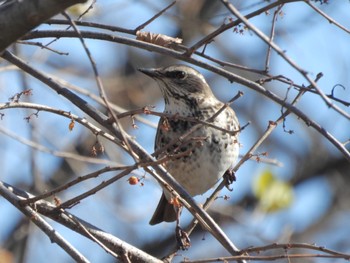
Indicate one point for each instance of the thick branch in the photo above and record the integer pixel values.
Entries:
(19, 17)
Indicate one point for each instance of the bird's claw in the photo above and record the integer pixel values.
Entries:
(182, 239)
(229, 178)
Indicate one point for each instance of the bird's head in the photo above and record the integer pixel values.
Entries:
(180, 83)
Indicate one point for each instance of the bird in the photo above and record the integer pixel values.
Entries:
(197, 161)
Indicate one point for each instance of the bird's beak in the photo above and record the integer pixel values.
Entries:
(151, 72)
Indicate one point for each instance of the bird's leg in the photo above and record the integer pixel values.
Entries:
(182, 239)
(229, 178)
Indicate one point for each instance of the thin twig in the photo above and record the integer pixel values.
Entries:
(88, 9)
(83, 121)
(75, 200)
(143, 25)
(91, 24)
(272, 35)
(267, 258)
(42, 46)
(330, 19)
(69, 184)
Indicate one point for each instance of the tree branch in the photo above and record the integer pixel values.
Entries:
(31, 214)
(19, 17)
(47, 209)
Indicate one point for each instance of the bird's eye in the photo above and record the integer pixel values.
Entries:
(176, 74)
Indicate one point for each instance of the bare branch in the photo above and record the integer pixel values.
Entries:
(272, 35)
(83, 121)
(32, 215)
(330, 20)
(142, 26)
(63, 217)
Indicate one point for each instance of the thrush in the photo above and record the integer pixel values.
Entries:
(199, 159)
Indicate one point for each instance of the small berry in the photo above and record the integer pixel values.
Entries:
(133, 180)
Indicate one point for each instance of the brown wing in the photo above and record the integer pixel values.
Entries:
(160, 140)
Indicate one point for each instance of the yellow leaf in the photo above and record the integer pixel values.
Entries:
(273, 194)
(262, 182)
